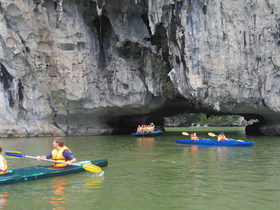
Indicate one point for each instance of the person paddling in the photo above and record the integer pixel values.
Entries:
(60, 153)
(3, 163)
(194, 136)
(222, 137)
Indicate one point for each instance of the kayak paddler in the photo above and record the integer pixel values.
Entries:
(3, 163)
(194, 136)
(60, 153)
(222, 137)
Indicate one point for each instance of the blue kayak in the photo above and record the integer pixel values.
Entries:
(215, 143)
(155, 133)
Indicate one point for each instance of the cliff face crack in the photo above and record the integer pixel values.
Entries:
(103, 28)
(7, 81)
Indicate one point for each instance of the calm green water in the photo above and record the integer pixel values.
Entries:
(153, 173)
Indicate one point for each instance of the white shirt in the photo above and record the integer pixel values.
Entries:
(2, 166)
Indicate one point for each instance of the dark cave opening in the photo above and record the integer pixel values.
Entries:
(128, 124)
(253, 129)
(6, 78)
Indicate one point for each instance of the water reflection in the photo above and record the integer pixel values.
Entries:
(3, 199)
(197, 155)
(212, 157)
(194, 156)
(146, 145)
(92, 183)
(222, 153)
(59, 197)
(194, 148)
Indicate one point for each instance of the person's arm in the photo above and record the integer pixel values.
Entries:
(72, 161)
(1, 164)
(69, 157)
(48, 156)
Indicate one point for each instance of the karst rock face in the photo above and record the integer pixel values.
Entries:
(83, 67)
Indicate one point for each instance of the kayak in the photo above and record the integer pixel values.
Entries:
(155, 133)
(41, 172)
(215, 143)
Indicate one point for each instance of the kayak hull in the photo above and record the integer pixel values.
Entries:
(155, 133)
(215, 143)
(41, 172)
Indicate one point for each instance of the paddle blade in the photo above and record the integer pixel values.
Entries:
(212, 134)
(92, 168)
(14, 154)
(185, 133)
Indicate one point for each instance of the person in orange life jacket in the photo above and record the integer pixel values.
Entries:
(3, 163)
(149, 129)
(60, 153)
(194, 137)
(152, 127)
(222, 137)
(144, 128)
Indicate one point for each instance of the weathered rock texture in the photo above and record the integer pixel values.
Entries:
(78, 67)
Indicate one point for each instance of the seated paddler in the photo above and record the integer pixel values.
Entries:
(194, 136)
(3, 163)
(222, 137)
(60, 153)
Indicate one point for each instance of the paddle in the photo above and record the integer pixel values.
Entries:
(87, 167)
(185, 134)
(214, 135)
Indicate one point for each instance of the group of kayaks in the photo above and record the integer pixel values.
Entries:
(230, 142)
(40, 172)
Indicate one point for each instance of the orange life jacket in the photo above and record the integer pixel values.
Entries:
(144, 129)
(4, 165)
(194, 137)
(58, 155)
(221, 137)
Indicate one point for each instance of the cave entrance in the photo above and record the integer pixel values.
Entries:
(250, 122)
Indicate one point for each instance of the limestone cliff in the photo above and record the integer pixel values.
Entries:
(77, 67)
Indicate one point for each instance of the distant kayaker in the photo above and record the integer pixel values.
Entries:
(194, 136)
(152, 127)
(146, 128)
(3, 163)
(60, 153)
(222, 137)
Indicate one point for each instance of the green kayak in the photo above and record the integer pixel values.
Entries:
(41, 172)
